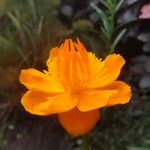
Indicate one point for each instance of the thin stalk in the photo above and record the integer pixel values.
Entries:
(85, 143)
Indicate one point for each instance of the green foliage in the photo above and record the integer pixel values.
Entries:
(137, 148)
(28, 28)
(2, 5)
(83, 25)
(145, 146)
(107, 18)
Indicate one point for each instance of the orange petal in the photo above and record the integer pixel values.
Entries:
(114, 63)
(123, 96)
(104, 72)
(32, 99)
(52, 63)
(93, 99)
(41, 103)
(34, 79)
(54, 52)
(78, 123)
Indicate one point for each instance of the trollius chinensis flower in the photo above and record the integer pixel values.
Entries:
(74, 87)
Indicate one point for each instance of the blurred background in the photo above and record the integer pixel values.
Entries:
(30, 28)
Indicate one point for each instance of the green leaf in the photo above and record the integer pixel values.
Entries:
(15, 21)
(99, 11)
(117, 39)
(136, 148)
(39, 28)
(104, 3)
(126, 24)
(119, 5)
(2, 6)
(33, 9)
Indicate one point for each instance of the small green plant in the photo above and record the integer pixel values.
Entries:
(107, 18)
(28, 28)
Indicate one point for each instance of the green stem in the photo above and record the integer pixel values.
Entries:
(85, 143)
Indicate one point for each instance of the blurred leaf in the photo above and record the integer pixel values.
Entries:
(30, 26)
(125, 25)
(119, 5)
(144, 37)
(54, 3)
(15, 21)
(2, 6)
(147, 142)
(83, 25)
(3, 41)
(137, 148)
(99, 11)
(104, 2)
(129, 2)
(8, 49)
(40, 26)
(33, 9)
(117, 39)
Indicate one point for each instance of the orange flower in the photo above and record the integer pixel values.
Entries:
(75, 86)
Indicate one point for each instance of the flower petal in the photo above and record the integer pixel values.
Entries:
(52, 62)
(41, 103)
(123, 96)
(54, 52)
(104, 72)
(34, 79)
(32, 99)
(114, 63)
(78, 123)
(93, 99)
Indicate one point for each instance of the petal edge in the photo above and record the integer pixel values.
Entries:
(78, 123)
